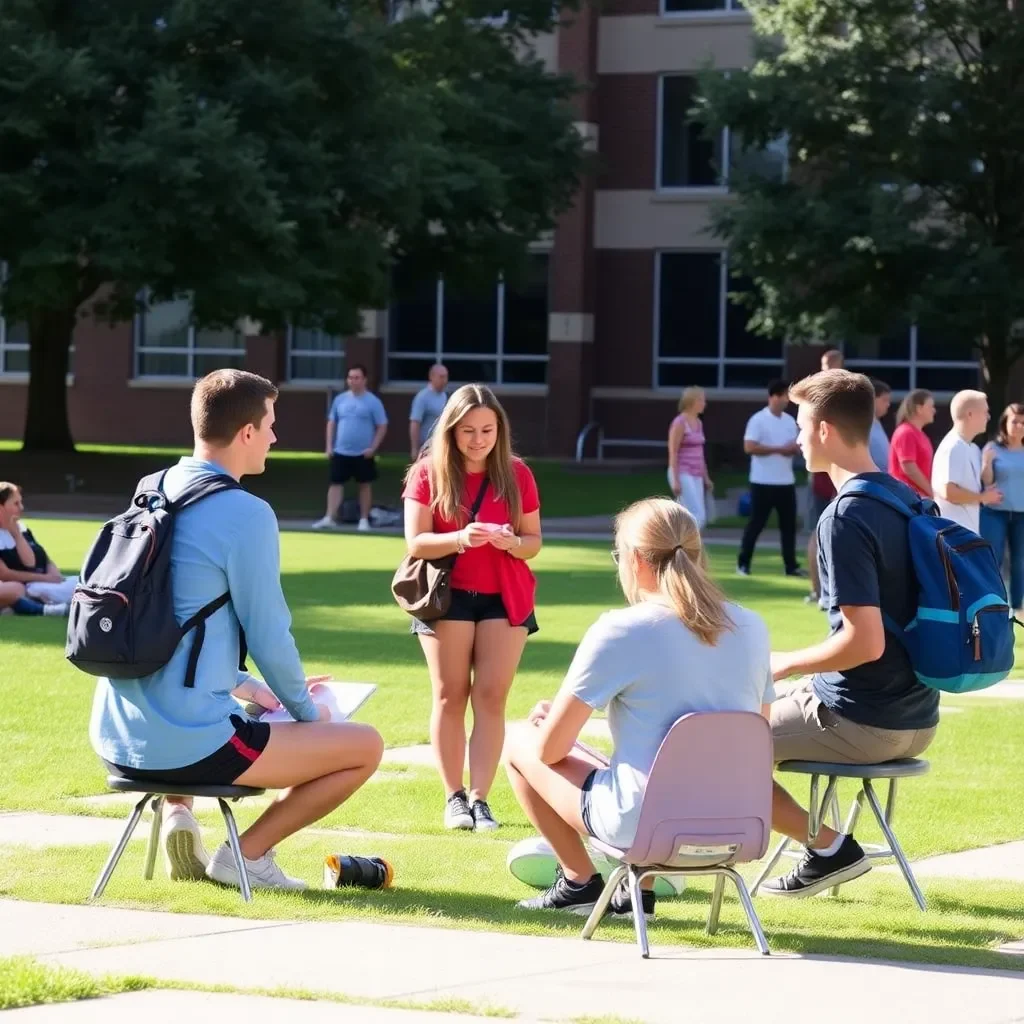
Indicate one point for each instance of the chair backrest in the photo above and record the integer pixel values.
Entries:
(709, 792)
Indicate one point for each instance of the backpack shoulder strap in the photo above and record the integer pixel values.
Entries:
(475, 510)
(205, 486)
(869, 489)
(151, 484)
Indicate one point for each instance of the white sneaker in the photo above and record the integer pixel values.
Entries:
(185, 856)
(263, 873)
(60, 610)
(364, 526)
(327, 523)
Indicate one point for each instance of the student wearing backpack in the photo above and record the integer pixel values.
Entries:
(864, 702)
(174, 728)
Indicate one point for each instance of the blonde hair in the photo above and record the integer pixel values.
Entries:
(909, 406)
(964, 401)
(6, 490)
(689, 397)
(667, 538)
(445, 465)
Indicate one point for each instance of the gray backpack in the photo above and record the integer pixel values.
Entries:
(121, 624)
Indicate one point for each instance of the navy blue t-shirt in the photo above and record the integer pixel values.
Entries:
(9, 555)
(864, 560)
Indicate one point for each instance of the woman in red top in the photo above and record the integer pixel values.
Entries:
(910, 451)
(473, 651)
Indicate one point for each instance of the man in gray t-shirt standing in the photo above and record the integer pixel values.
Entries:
(426, 410)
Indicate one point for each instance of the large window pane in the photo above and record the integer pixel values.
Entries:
(163, 364)
(684, 375)
(752, 375)
(314, 354)
(468, 371)
(526, 311)
(317, 368)
(167, 324)
(412, 320)
(531, 371)
(688, 300)
(897, 377)
(741, 343)
(936, 343)
(689, 159)
(470, 320)
(15, 360)
(893, 343)
(404, 370)
(769, 163)
(208, 362)
(219, 337)
(948, 378)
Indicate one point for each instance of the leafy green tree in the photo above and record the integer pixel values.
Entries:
(904, 200)
(271, 160)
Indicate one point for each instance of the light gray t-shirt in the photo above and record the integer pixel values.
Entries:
(426, 410)
(649, 669)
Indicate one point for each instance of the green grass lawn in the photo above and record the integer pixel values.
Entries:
(346, 624)
(295, 482)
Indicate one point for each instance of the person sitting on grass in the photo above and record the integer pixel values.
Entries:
(24, 561)
(156, 729)
(678, 647)
(863, 702)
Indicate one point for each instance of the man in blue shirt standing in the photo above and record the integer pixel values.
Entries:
(863, 703)
(426, 410)
(356, 426)
(156, 729)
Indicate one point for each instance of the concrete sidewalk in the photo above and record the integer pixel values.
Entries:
(540, 978)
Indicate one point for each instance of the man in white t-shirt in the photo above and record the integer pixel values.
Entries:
(956, 470)
(770, 441)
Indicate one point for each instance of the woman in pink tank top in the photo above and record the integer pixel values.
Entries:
(687, 470)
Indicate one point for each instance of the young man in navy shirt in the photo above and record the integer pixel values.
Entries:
(863, 703)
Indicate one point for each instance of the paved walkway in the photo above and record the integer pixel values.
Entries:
(540, 978)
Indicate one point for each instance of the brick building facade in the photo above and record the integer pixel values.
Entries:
(626, 304)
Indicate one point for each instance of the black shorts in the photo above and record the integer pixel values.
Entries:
(353, 467)
(471, 606)
(221, 768)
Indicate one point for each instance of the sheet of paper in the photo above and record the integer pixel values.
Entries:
(343, 700)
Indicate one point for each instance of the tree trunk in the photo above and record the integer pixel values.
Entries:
(46, 421)
(996, 364)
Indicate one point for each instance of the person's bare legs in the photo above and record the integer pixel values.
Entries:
(789, 818)
(365, 500)
(11, 593)
(319, 764)
(496, 653)
(449, 655)
(550, 797)
(335, 496)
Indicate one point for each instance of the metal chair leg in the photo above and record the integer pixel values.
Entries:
(813, 821)
(890, 802)
(236, 849)
(154, 836)
(894, 845)
(837, 824)
(602, 904)
(119, 848)
(770, 866)
(748, 906)
(855, 809)
(716, 904)
(639, 922)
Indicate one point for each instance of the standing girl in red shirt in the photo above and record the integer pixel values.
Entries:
(473, 651)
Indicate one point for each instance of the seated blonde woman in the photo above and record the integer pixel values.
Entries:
(678, 647)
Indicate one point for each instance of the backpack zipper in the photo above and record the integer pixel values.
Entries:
(95, 594)
(1002, 609)
(954, 592)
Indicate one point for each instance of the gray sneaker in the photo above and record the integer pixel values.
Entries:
(263, 872)
(457, 813)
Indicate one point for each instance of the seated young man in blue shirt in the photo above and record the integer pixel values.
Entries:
(156, 728)
(863, 702)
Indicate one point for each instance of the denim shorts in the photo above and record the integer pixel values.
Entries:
(585, 789)
(471, 606)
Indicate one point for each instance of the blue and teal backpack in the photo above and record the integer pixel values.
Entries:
(961, 638)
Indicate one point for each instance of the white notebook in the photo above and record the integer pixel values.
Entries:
(343, 699)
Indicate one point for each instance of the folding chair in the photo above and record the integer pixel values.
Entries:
(157, 791)
(707, 807)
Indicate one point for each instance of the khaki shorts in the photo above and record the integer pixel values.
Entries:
(803, 729)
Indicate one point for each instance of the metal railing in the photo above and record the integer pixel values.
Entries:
(604, 443)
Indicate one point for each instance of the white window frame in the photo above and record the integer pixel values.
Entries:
(911, 364)
(499, 355)
(721, 360)
(318, 353)
(730, 7)
(189, 350)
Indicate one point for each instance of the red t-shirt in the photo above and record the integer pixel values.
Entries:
(486, 569)
(910, 444)
(822, 486)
